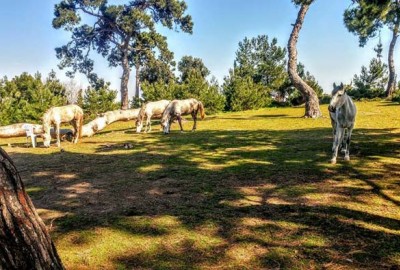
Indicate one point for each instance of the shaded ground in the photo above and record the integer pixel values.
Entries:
(249, 190)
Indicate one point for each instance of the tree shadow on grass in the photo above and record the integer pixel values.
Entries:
(268, 194)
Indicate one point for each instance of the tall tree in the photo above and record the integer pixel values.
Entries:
(262, 60)
(365, 18)
(372, 80)
(189, 65)
(312, 103)
(124, 33)
(24, 240)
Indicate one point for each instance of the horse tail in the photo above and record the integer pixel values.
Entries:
(202, 111)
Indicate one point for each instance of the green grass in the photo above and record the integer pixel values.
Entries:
(248, 190)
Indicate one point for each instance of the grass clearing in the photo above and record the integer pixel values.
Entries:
(248, 190)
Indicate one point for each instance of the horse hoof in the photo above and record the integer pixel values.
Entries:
(347, 158)
(333, 161)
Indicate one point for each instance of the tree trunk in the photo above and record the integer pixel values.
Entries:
(137, 89)
(124, 82)
(24, 240)
(391, 86)
(312, 102)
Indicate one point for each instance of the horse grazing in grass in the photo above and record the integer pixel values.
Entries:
(153, 109)
(64, 114)
(177, 108)
(342, 111)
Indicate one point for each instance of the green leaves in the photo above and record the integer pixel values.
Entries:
(366, 17)
(25, 98)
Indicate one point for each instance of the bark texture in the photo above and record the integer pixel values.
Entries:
(391, 86)
(137, 84)
(124, 82)
(312, 109)
(24, 240)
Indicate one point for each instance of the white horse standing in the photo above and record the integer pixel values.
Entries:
(342, 111)
(177, 108)
(64, 114)
(149, 110)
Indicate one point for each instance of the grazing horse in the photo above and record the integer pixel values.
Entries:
(177, 108)
(343, 115)
(153, 109)
(57, 115)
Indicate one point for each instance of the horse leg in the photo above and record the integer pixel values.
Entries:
(179, 117)
(336, 143)
(145, 123)
(77, 122)
(194, 116)
(348, 139)
(149, 123)
(58, 134)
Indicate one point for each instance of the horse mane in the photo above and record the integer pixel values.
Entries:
(167, 111)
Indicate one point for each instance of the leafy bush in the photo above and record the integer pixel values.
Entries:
(25, 98)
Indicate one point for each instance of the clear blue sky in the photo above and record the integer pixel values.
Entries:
(328, 50)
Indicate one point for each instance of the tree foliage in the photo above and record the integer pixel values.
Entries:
(242, 93)
(189, 65)
(372, 80)
(125, 34)
(97, 99)
(192, 84)
(25, 98)
(365, 18)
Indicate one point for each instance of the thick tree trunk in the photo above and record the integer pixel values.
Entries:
(391, 86)
(312, 102)
(124, 82)
(137, 88)
(24, 240)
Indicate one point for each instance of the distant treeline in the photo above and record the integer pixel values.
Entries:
(258, 79)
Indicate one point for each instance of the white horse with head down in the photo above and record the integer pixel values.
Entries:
(64, 114)
(153, 109)
(177, 108)
(342, 111)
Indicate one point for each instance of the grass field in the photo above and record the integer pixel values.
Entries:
(248, 190)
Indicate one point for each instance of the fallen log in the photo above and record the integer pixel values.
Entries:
(19, 130)
(107, 118)
(94, 126)
(121, 115)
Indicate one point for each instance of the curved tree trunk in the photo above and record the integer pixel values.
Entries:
(124, 82)
(391, 86)
(312, 102)
(24, 240)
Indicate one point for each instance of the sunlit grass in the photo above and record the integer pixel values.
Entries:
(247, 190)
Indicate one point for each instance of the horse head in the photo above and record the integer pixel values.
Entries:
(139, 125)
(165, 124)
(337, 100)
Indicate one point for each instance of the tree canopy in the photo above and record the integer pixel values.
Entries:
(365, 18)
(125, 34)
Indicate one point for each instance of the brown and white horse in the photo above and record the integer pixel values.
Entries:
(153, 109)
(64, 114)
(177, 108)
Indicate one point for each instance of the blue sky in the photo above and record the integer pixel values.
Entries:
(326, 48)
